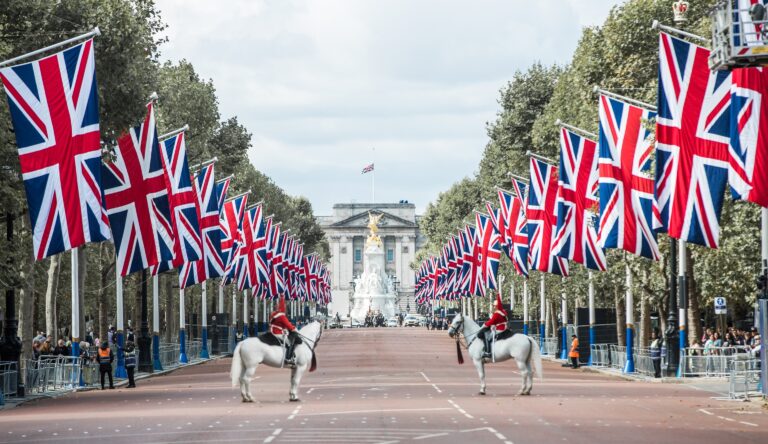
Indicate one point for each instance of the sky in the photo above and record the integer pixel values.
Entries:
(327, 87)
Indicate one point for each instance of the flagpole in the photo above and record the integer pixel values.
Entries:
(591, 314)
(204, 314)
(87, 35)
(245, 313)
(564, 317)
(765, 245)
(75, 333)
(373, 178)
(234, 317)
(172, 133)
(183, 359)
(629, 366)
(542, 318)
(120, 371)
(682, 291)
(156, 323)
(525, 306)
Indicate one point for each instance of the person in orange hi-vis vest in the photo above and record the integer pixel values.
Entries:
(279, 325)
(497, 323)
(574, 353)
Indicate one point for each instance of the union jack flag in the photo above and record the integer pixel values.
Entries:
(748, 150)
(490, 252)
(472, 265)
(368, 169)
(209, 195)
(577, 206)
(628, 210)
(693, 133)
(451, 268)
(512, 222)
(231, 225)
(459, 253)
(542, 219)
(54, 107)
(275, 259)
(136, 196)
(187, 242)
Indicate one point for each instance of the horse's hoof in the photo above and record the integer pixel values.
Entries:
(294, 399)
(482, 393)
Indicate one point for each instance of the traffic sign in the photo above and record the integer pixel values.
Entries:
(720, 306)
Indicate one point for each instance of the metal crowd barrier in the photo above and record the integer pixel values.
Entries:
(744, 378)
(9, 376)
(550, 346)
(601, 355)
(710, 362)
(169, 355)
(618, 355)
(52, 373)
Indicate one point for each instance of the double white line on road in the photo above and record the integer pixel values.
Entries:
(461, 410)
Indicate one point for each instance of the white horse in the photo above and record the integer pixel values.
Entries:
(521, 347)
(251, 352)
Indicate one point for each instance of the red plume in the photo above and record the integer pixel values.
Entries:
(499, 304)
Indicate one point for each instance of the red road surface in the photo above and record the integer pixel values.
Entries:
(394, 385)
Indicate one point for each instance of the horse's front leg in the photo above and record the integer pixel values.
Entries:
(480, 372)
(296, 374)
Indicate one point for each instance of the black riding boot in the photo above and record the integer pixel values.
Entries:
(486, 342)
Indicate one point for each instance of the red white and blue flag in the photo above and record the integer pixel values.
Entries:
(253, 266)
(693, 135)
(628, 211)
(182, 197)
(542, 219)
(490, 253)
(231, 225)
(209, 195)
(515, 226)
(368, 169)
(54, 108)
(748, 153)
(472, 265)
(577, 206)
(136, 197)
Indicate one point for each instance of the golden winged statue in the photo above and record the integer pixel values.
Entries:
(373, 226)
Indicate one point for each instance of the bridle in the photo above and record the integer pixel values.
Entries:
(459, 332)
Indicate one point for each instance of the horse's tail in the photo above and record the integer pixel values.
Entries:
(535, 355)
(237, 366)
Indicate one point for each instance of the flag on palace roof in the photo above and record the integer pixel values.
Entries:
(628, 209)
(136, 197)
(368, 169)
(692, 141)
(54, 108)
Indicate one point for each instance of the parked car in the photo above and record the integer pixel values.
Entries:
(393, 321)
(333, 323)
(411, 320)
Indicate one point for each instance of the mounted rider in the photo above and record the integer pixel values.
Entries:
(494, 326)
(280, 326)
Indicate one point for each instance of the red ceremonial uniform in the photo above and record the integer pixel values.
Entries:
(278, 322)
(499, 319)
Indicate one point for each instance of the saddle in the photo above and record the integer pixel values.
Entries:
(269, 339)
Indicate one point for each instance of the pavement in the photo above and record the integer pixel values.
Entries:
(387, 386)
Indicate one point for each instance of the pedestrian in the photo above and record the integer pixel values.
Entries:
(130, 363)
(105, 358)
(655, 350)
(574, 353)
(61, 349)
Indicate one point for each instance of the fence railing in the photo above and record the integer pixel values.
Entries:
(550, 346)
(744, 378)
(601, 355)
(9, 376)
(48, 374)
(710, 362)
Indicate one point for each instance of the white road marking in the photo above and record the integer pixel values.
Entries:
(437, 388)
(294, 413)
(707, 412)
(353, 412)
(425, 377)
(461, 410)
(274, 434)
(748, 423)
(310, 390)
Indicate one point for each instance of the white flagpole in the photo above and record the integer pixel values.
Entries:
(564, 317)
(245, 313)
(93, 33)
(221, 298)
(204, 314)
(543, 316)
(183, 359)
(156, 365)
(256, 314)
(373, 178)
(511, 296)
(234, 317)
(120, 371)
(591, 314)
(629, 366)
(525, 306)
(75, 333)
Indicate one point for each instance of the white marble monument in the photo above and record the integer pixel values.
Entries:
(374, 290)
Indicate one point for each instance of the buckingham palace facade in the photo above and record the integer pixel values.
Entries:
(346, 230)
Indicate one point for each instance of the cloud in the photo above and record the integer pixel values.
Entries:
(320, 83)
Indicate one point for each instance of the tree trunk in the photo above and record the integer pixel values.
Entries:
(621, 324)
(136, 313)
(171, 311)
(26, 298)
(51, 292)
(103, 299)
(694, 315)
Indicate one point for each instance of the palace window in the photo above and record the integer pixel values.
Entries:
(390, 255)
(358, 255)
